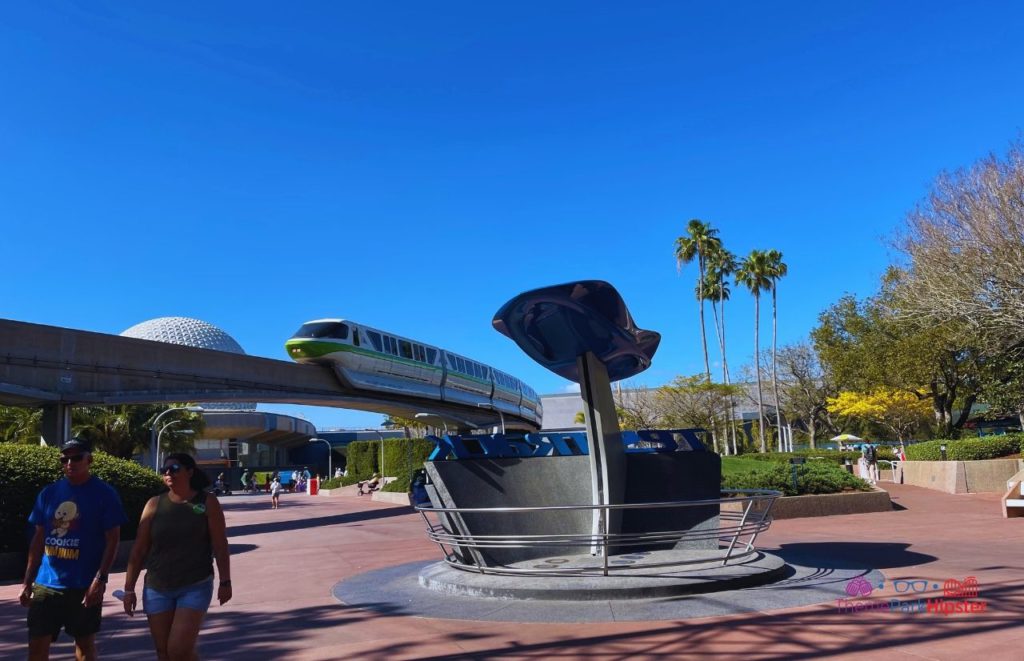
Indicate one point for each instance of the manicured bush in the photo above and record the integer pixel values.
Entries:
(814, 477)
(836, 456)
(401, 457)
(970, 449)
(333, 483)
(26, 469)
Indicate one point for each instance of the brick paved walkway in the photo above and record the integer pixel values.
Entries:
(285, 563)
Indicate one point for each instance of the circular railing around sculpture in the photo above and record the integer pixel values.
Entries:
(741, 518)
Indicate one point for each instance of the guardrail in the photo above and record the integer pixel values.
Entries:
(738, 530)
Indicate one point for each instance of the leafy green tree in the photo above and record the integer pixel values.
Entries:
(20, 424)
(699, 241)
(124, 430)
(693, 401)
(755, 274)
(408, 425)
(871, 343)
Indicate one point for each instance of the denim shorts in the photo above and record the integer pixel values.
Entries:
(196, 597)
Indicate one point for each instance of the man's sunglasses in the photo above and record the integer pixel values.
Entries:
(171, 469)
(71, 458)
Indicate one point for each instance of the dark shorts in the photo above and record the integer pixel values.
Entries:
(52, 610)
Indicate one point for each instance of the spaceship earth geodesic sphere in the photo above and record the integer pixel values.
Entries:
(191, 333)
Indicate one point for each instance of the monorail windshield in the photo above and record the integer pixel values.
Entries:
(332, 329)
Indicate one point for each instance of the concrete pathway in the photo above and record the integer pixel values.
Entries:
(285, 563)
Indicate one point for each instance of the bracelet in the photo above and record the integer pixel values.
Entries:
(102, 578)
(131, 592)
(225, 584)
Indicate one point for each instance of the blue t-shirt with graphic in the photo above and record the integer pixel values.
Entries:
(75, 520)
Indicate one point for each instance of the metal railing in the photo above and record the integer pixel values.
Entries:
(740, 519)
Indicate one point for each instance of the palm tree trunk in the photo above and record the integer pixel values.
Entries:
(757, 369)
(727, 380)
(700, 302)
(775, 371)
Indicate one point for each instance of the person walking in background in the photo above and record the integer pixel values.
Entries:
(77, 528)
(245, 481)
(871, 457)
(179, 534)
(275, 493)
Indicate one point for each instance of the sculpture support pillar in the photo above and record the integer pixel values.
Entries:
(607, 454)
(56, 423)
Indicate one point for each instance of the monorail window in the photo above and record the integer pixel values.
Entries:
(431, 355)
(405, 349)
(418, 353)
(375, 340)
(392, 346)
(461, 365)
(331, 329)
(355, 337)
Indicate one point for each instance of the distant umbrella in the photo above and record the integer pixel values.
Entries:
(845, 438)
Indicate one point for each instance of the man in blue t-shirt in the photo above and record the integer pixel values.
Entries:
(77, 527)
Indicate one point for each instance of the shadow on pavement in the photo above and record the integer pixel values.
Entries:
(316, 521)
(852, 555)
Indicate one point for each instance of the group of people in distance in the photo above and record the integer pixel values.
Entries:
(77, 522)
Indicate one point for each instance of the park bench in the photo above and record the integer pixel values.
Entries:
(1013, 501)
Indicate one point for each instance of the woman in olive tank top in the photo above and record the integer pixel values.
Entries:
(180, 534)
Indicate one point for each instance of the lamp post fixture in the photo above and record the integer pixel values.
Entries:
(153, 437)
(492, 407)
(330, 449)
(160, 435)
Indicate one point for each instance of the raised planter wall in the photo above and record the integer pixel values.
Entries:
(828, 504)
(986, 475)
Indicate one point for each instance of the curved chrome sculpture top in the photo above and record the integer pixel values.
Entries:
(555, 325)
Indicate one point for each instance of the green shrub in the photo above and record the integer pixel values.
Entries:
(988, 447)
(837, 456)
(333, 483)
(401, 457)
(26, 469)
(814, 477)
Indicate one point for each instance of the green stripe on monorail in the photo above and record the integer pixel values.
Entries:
(319, 348)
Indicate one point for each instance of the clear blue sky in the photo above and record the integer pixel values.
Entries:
(413, 165)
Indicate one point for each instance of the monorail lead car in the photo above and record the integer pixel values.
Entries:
(371, 359)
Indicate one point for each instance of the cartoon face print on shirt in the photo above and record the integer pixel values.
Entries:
(63, 516)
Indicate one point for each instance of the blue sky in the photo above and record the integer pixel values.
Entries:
(414, 165)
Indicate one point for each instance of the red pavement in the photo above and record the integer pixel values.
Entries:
(286, 561)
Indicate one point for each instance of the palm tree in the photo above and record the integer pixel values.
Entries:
(722, 264)
(19, 424)
(753, 273)
(699, 241)
(776, 269)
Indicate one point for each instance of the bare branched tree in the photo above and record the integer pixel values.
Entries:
(965, 245)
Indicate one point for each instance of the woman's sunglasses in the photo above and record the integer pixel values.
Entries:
(71, 458)
(172, 469)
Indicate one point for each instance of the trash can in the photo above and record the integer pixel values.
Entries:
(313, 486)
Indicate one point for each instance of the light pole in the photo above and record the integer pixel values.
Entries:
(161, 433)
(330, 449)
(154, 440)
(501, 416)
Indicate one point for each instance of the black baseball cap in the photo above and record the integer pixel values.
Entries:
(79, 443)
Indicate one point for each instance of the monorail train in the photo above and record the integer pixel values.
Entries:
(372, 359)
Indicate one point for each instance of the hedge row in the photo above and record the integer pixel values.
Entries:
(814, 477)
(970, 449)
(401, 457)
(836, 456)
(26, 469)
